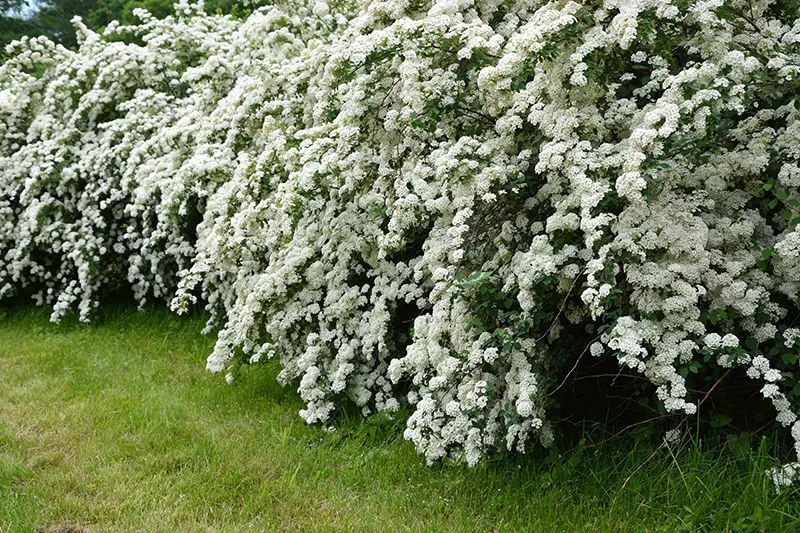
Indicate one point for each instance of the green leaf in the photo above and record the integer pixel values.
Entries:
(715, 315)
(643, 432)
(789, 358)
(739, 444)
(719, 420)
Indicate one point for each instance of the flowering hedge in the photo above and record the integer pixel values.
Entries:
(441, 204)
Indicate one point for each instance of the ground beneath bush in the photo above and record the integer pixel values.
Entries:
(116, 426)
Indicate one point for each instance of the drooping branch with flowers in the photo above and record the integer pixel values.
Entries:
(439, 205)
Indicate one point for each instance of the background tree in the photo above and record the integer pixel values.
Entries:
(14, 22)
(52, 17)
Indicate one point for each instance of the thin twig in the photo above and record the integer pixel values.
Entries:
(627, 479)
(628, 427)
(617, 375)
(714, 386)
(575, 366)
(604, 441)
(563, 305)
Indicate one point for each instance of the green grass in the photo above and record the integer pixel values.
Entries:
(116, 426)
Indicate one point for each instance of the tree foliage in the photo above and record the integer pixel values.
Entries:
(52, 18)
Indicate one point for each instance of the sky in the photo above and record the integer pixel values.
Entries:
(26, 10)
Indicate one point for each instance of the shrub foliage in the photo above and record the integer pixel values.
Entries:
(442, 204)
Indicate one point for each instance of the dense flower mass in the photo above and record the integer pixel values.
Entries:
(439, 204)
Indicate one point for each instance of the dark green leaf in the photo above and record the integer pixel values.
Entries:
(719, 420)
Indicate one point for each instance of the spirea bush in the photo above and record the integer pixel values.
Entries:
(437, 204)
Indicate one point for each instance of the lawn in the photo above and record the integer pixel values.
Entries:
(116, 426)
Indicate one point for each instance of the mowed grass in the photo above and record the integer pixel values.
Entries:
(116, 426)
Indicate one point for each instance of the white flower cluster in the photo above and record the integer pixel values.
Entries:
(431, 204)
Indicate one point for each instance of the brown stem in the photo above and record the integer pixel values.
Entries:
(714, 386)
(572, 369)
(627, 479)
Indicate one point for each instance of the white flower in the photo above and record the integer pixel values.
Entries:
(426, 207)
(790, 336)
(672, 436)
(730, 341)
(596, 349)
(524, 408)
(321, 8)
(713, 341)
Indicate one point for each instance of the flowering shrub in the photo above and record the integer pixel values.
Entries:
(442, 204)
